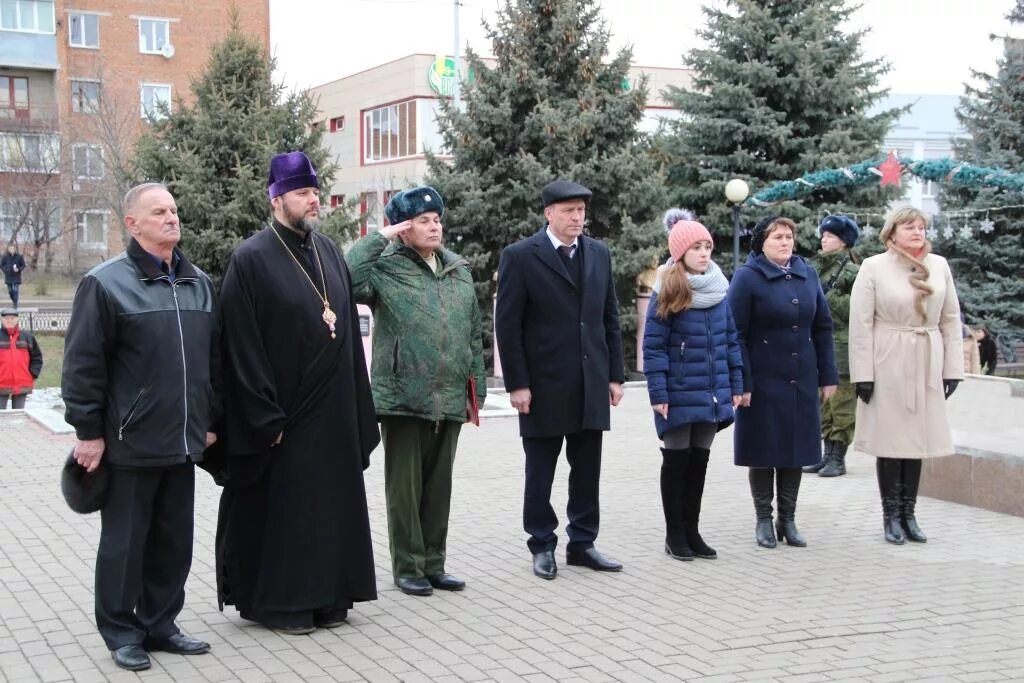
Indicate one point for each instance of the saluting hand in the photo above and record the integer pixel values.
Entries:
(389, 231)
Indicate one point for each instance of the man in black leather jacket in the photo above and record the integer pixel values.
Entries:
(140, 385)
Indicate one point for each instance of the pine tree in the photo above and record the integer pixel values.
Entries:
(987, 267)
(779, 91)
(215, 154)
(551, 107)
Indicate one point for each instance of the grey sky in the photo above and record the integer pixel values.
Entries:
(931, 44)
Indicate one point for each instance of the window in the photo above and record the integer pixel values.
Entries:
(390, 132)
(368, 209)
(13, 97)
(337, 124)
(34, 16)
(85, 96)
(87, 161)
(153, 35)
(337, 200)
(153, 95)
(91, 228)
(33, 153)
(84, 30)
(10, 219)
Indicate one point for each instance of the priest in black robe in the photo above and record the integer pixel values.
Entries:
(293, 536)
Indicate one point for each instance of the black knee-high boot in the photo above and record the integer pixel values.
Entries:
(890, 487)
(761, 490)
(911, 473)
(693, 494)
(788, 487)
(674, 464)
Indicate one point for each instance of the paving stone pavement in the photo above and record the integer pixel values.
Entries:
(847, 607)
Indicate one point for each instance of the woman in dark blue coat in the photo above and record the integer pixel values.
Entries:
(692, 362)
(785, 332)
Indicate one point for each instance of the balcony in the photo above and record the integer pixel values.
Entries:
(27, 50)
(35, 118)
(37, 153)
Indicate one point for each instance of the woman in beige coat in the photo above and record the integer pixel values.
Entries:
(906, 359)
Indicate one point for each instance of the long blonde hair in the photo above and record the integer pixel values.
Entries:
(918, 270)
(676, 294)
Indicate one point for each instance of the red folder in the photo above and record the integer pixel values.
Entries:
(473, 407)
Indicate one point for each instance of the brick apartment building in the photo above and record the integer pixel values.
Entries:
(78, 79)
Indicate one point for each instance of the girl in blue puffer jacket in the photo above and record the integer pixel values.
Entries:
(693, 365)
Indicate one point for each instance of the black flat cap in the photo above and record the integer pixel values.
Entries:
(563, 191)
(84, 492)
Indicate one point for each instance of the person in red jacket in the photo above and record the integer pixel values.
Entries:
(20, 361)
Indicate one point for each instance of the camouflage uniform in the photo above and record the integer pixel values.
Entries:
(426, 346)
(838, 414)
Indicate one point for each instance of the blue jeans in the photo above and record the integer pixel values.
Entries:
(12, 291)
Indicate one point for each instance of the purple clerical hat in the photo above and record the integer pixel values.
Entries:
(290, 171)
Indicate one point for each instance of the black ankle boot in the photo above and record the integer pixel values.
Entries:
(836, 465)
(890, 484)
(693, 494)
(761, 485)
(911, 473)
(674, 464)
(788, 486)
(826, 454)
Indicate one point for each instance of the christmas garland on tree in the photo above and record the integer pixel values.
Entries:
(887, 172)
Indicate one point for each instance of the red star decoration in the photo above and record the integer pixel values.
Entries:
(891, 170)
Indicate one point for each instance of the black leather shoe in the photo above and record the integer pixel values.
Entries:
(414, 586)
(179, 644)
(131, 657)
(592, 559)
(331, 619)
(544, 564)
(446, 582)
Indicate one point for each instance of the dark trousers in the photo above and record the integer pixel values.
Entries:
(418, 459)
(583, 451)
(145, 553)
(17, 401)
(12, 291)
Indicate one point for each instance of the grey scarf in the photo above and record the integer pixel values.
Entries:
(708, 289)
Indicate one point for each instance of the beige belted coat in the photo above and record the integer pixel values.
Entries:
(906, 357)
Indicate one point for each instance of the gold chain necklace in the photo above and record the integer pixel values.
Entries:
(328, 316)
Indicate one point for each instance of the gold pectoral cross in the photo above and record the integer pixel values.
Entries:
(329, 318)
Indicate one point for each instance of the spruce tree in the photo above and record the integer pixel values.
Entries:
(779, 90)
(987, 266)
(551, 107)
(215, 154)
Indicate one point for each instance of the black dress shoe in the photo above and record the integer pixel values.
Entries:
(330, 618)
(589, 557)
(446, 582)
(544, 564)
(131, 657)
(418, 586)
(179, 644)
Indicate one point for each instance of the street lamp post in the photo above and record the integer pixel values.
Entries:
(736, 191)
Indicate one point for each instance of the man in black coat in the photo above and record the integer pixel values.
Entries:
(13, 265)
(141, 388)
(557, 324)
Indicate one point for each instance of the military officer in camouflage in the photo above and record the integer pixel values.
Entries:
(837, 269)
(426, 346)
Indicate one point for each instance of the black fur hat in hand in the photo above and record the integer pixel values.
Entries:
(84, 492)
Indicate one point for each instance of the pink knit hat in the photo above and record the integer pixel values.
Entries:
(684, 235)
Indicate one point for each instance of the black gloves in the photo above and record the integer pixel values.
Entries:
(949, 386)
(864, 390)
